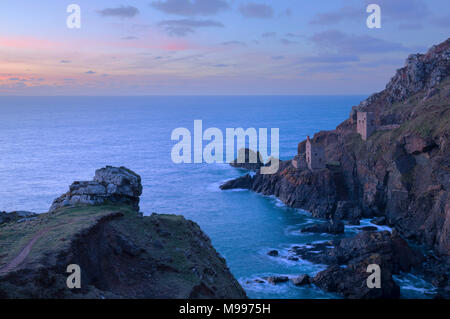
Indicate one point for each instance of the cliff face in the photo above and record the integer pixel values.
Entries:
(401, 172)
(121, 253)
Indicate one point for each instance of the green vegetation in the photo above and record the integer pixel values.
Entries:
(121, 252)
(430, 117)
(59, 228)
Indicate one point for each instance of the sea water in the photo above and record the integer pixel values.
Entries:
(46, 143)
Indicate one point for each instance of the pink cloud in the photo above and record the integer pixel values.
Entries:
(24, 42)
(27, 43)
(159, 45)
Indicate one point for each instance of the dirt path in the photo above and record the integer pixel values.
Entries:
(24, 253)
(16, 261)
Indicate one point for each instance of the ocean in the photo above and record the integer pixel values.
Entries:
(46, 143)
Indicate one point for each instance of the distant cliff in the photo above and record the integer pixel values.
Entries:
(121, 253)
(402, 171)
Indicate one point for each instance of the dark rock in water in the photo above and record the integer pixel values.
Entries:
(393, 250)
(336, 226)
(273, 253)
(319, 253)
(116, 185)
(351, 282)
(248, 159)
(392, 254)
(255, 281)
(368, 228)
(333, 226)
(379, 221)
(301, 280)
(276, 279)
(243, 182)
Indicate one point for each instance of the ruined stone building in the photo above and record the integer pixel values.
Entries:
(365, 124)
(315, 155)
(299, 161)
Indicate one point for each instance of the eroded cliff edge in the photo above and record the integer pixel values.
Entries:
(121, 253)
(401, 172)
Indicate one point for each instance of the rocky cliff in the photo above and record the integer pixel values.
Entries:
(402, 172)
(121, 253)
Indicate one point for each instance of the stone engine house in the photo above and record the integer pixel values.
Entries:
(365, 124)
(315, 155)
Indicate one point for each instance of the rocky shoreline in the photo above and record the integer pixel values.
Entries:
(398, 174)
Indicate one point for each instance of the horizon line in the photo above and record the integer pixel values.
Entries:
(193, 95)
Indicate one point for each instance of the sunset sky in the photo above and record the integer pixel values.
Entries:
(211, 47)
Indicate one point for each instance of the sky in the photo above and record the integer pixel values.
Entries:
(211, 47)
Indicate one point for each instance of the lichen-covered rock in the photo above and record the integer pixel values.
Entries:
(119, 181)
(110, 185)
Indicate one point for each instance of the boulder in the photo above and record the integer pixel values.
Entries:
(333, 226)
(273, 253)
(351, 281)
(394, 251)
(368, 228)
(119, 181)
(117, 185)
(276, 279)
(301, 280)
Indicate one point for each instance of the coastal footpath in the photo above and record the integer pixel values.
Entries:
(390, 160)
(121, 253)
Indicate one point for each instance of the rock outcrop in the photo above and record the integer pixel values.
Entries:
(248, 159)
(244, 182)
(333, 226)
(110, 185)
